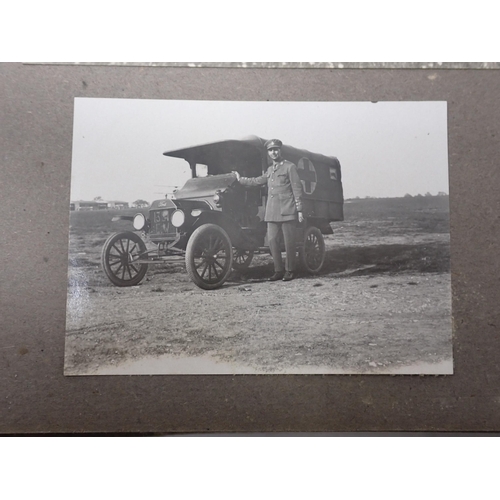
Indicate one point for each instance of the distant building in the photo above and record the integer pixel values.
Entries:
(83, 205)
(118, 205)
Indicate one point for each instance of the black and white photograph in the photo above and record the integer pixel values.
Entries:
(257, 237)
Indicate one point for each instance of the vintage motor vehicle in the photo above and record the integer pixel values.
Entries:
(216, 224)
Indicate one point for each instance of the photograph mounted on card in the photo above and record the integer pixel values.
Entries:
(235, 237)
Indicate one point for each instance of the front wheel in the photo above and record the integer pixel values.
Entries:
(119, 254)
(312, 254)
(209, 256)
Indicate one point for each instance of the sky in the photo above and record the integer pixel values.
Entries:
(385, 149)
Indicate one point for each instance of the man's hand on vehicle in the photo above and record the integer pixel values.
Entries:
(237, 175)
(301, 216)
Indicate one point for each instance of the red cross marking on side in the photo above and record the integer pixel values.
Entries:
(307, 175)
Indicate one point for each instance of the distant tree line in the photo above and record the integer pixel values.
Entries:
(407, 195)
(441, 193)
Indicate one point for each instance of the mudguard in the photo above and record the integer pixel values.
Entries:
(235, 232)
(122, 217)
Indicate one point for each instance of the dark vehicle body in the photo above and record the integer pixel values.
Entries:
(216, 224)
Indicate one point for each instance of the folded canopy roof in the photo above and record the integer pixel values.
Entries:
(248, 156)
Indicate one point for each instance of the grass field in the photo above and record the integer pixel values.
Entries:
(382, 304)
(392, 234)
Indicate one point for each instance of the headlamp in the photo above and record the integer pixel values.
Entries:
(178, 218)
(139, 221)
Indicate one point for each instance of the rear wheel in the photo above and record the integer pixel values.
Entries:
(209, 256)
(242, 259)
(119, 254)
(312, 254)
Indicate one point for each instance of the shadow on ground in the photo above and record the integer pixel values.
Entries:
(366, 260)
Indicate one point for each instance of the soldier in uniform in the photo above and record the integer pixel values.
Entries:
(283, 209)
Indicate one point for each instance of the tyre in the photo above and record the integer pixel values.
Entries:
(118, 256)
(209, 256)
(242, 259)
(312, 254)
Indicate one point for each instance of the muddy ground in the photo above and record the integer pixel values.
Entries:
(381, 305)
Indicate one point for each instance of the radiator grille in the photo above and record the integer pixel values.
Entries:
(160, 223)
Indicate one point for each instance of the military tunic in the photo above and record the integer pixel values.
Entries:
(284, 197)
